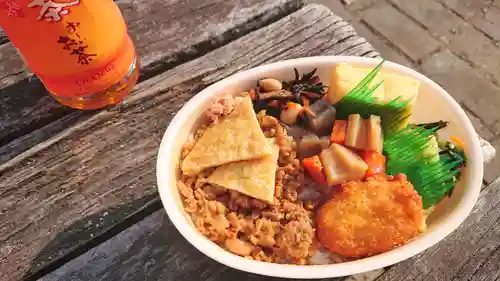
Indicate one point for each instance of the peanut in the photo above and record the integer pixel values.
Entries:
(270, 85)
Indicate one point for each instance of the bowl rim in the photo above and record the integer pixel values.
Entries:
(210, 249)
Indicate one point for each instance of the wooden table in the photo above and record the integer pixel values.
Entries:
(78, 195)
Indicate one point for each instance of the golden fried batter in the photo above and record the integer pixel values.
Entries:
(372, 217)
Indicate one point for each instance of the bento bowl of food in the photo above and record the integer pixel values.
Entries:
(319, 167)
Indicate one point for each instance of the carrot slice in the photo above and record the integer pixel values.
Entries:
(306, 109)
(375, 162)
(305, 101)
(315, 169)
(339, 132)
(458, 142)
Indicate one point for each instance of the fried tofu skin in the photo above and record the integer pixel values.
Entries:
(371, 217)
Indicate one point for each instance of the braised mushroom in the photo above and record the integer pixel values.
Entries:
(322, 118)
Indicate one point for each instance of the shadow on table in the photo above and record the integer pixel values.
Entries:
(88, 233)
(26, 106)
(149, 250)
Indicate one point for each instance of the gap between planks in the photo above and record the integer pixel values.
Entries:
(156, 243)
(161, 42)
(85, 156)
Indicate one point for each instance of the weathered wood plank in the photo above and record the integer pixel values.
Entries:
(488, 268)
(160, 243)
(150, 250)
(323, 43)
(107, 161)
(154, 250)
(166, 33)
(465, 253)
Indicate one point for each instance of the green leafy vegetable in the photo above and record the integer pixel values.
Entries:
(433, 180)
(433, 177)
(453, 151)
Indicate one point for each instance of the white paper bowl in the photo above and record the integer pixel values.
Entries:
(433, 104)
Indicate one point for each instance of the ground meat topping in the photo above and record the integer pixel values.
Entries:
(282, 232)
(221, 107)
(297, 239)
(265, 230)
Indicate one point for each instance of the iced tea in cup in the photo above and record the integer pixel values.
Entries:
(80, 49)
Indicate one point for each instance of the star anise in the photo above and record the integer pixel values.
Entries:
(309, 85)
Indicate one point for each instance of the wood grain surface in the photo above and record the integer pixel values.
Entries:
(166, 34)
(154, 250)
(62, 193)
(470, 253)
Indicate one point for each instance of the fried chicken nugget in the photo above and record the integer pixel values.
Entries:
(372, 217)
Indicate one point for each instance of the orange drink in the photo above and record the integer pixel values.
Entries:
(80, 49)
